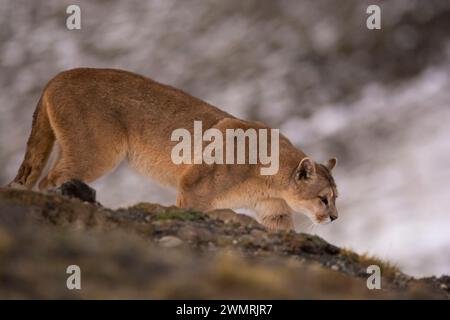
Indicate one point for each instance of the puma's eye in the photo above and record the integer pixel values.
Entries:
(324, 200)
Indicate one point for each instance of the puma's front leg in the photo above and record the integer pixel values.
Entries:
(188, 199)
(193, 189)
(275, 214)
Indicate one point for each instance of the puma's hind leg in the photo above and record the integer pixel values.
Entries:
(89, 146)
(85, 163)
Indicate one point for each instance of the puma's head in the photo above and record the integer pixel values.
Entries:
(312, 191)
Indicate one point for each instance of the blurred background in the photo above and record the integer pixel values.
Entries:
(379, 100)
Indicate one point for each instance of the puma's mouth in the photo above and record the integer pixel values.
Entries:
(323, 220)
(317, 219)
(320, 219)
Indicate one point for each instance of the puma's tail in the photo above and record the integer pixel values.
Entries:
(39, 147)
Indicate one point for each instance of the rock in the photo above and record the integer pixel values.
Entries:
(170, 242)
(189, 234)
(77, 189)
(127, 246)
(229, 216)
(5, 240)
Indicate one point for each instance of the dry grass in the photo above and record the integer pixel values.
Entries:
(388, 270)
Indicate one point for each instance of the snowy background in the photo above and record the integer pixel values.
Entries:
(379, 100)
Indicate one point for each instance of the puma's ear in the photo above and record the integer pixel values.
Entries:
(306, 169)
(330, 164)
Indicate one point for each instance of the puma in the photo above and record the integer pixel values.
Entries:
(99, 117)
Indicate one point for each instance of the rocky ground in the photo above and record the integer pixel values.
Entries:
(151, 251)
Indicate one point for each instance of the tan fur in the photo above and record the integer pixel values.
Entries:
(100, 117)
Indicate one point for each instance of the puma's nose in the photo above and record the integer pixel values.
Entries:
(333, 217)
